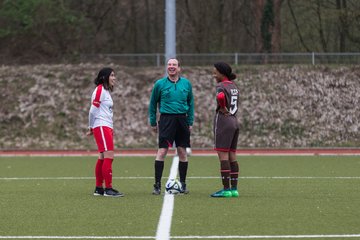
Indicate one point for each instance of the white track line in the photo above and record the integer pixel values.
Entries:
(164, 225)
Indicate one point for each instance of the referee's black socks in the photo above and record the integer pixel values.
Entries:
(159, 167)
(183, 166)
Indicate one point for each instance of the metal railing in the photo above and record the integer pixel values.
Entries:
(200, 59)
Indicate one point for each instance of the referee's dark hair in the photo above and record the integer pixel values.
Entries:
(225, 69)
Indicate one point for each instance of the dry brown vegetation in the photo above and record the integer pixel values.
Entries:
(46, 106)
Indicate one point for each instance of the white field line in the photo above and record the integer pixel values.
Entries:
(321, 236)
(270, 236)
(210, 177)
(164, 225)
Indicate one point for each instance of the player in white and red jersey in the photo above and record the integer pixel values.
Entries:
(101, 126)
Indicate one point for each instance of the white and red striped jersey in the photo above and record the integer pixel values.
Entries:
(101, 110)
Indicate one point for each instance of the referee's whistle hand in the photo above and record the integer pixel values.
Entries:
(154, 128)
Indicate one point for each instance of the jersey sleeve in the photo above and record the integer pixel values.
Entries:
(154, 99)
(95, 105)
(96, 100)
(220, 96)
(190, 113)
(221, 99)
(92, 114)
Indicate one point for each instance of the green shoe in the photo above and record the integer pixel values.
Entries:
(222, 193)
(234, 193)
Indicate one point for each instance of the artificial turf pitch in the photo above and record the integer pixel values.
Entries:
(279, 196)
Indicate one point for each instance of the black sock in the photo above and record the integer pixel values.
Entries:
(159, 167)
(183, 166)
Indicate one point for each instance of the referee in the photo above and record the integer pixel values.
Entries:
(174, 97)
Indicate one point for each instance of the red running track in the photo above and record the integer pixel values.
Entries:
(195, 152)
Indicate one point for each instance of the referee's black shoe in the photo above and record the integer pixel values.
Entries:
(184, 190)
(157, 189)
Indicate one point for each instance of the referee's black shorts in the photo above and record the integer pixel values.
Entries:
(173, 127)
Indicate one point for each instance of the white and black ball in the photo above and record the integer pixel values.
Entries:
(173, 186)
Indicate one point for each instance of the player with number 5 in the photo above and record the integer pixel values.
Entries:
(226, 128)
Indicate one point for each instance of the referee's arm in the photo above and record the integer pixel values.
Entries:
(153, 105)
(190, 113)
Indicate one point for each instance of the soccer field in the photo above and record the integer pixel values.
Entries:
(281, 197)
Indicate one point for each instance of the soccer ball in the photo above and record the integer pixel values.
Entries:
(173, 186)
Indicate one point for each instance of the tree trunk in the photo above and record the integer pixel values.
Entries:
(276, 33)
(321, 29)
(341, 7)
(258, 7)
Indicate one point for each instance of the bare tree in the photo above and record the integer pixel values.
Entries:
(276, 34)
(320, 26)
(258, 9)
(267, 30)
(350, 20)
(342, 12)
(297, 28)
(61, 28)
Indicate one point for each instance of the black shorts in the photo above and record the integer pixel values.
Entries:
(173, 127)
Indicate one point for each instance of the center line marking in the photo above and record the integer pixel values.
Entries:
(164, 225)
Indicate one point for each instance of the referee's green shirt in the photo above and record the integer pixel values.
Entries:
(173, 98)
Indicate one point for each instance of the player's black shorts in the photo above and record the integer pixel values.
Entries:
(173, 127)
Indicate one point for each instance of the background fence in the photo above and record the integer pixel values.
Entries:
(199, 59)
